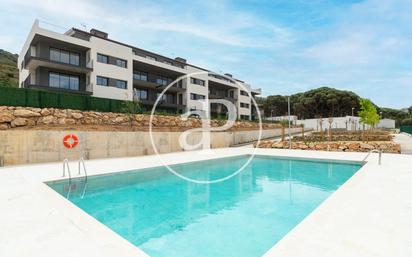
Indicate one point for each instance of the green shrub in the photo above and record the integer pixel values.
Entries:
(407, 121)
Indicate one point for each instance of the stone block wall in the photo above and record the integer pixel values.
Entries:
(12, 117)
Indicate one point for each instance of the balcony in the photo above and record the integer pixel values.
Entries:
(151, 83)
(29, 84)
(164, 104)
(31, 62)
(216, 94)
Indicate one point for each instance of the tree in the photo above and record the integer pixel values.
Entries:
(368, 114)
(283, 123)
(130, 108)
(320, 102)
(330, 120)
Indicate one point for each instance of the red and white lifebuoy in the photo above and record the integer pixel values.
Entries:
(70, 141)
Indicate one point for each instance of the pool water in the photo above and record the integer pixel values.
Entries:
(244, 216)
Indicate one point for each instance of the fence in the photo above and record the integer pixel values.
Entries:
(406, 129)
(24, 97)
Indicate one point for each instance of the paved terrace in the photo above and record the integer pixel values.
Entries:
(370, 215)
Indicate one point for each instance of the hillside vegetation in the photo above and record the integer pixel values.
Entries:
(324, 102)
(9, 74)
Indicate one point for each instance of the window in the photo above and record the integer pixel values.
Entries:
(63, 56)
(74, 83)
(244, 105)
(196, 97)
(141, 94)
(244, 117)
(64, 81)
(102, 81)
(121, 84)
(197, 81)
(244, 93)
(162, 81)
(55, 54)
(121, 63)
(138, 75)
(102, 58)
(163, 97)
(54, 80)
(74, 59)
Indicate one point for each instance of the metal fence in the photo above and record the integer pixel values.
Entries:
(406, 129)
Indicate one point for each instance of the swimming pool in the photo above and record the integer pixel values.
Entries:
(243, 216)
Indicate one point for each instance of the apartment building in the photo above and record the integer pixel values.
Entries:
(90, 63)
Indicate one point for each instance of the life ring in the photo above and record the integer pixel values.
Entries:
(70, 141)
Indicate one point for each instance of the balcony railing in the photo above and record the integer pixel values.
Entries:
(155, 83)
(28, 84)
(181, 66)
(31, 56)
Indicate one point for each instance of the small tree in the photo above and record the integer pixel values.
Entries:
(330, 120)
(368, 113)
(320, 122)
(130, 108)
(283, 123)
(302, 126)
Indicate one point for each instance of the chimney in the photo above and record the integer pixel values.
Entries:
(99, 33)
(180, 59)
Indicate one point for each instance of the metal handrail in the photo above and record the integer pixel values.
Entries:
(66, 164)
(374, 151)
(81, 163)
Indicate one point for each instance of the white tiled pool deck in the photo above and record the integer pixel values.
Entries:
(370, 215)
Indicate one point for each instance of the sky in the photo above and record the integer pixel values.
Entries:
(281, 46)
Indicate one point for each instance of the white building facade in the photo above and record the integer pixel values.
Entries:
(91, 63)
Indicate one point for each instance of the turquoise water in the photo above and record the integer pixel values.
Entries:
(244, 216)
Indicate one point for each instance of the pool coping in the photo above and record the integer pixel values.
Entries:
(55, 226)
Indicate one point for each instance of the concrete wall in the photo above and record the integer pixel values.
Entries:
(386, 123)
(36, 146)
(348, 122)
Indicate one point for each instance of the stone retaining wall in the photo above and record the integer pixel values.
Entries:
(343, 146)
(12, 117)
(344, 137)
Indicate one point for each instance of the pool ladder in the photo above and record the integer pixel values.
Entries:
(374, 151)
(81, 164)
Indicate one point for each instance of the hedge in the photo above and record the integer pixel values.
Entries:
(25, 97)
